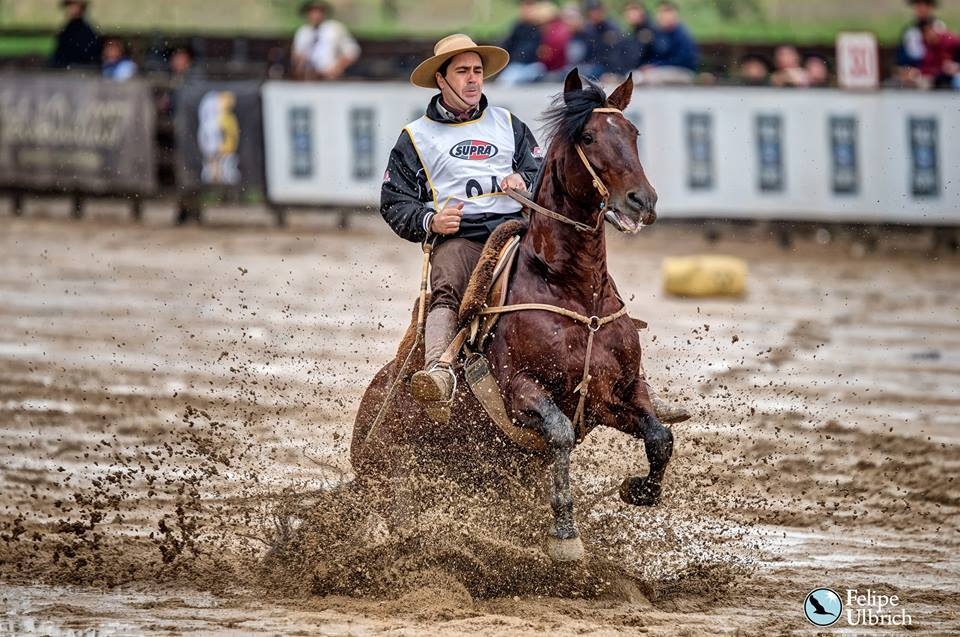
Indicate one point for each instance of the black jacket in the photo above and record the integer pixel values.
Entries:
(77, 45)
(523, 42)
(405, 191)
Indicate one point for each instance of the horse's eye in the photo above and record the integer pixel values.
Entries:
(587, 139)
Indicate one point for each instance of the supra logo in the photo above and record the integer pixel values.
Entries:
(823, 607)
(473, 149)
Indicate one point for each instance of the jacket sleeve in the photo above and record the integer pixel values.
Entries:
(528, 155)
(405, 192)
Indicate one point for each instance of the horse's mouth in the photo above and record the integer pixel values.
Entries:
(626, 223)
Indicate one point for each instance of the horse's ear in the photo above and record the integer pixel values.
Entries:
(620, 98)
(572, 83)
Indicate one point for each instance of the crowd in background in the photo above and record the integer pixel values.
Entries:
(547, 41)
(928, 55)
(79, 46)
(650, 42)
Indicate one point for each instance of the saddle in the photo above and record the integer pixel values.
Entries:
(488, 288)
(489, 282)
(488, 285)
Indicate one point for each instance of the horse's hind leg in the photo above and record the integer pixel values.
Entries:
(658, 442)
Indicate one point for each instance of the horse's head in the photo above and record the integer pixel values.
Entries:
(593, 123)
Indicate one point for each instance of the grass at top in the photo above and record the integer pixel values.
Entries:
(15, 46)
(802, 21)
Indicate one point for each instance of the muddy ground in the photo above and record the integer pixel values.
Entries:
(176, 405)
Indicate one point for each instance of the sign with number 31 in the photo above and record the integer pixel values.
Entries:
(857, 61)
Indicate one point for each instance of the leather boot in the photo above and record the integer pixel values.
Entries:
(667, 413)
(433, 386)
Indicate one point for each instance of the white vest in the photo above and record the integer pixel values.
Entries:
(466, 161)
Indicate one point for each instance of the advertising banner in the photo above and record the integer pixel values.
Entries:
(73, 134)
(710, 152)
(219, 136)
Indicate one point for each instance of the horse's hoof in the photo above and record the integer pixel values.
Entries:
(570, 550)
(639, 492)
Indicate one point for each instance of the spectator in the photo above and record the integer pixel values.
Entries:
(753, 70)
(181, 66)
(786, 60)
(939, 66)
(911, 49)
(601, 38)
(322, 48)
(638, 41)
(77, 42)
(577, 45)
(180, 69)
(818, 71)
(674, 56)
(523, 44)
(116, 64)
(555, 36)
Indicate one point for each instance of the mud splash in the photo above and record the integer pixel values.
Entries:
(175, 412)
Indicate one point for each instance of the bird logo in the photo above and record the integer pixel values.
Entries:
(823, 607)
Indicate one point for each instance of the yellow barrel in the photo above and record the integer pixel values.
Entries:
(705, 276)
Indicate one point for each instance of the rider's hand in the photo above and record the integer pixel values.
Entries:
(513, 182)
(447, 221)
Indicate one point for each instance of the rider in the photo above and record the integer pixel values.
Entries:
(444, 183)
(443, 180)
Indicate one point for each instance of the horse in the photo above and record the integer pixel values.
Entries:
(560, 378)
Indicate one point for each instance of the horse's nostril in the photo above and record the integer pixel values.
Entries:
(646, 202)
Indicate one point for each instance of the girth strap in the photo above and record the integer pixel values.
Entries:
(593, 323)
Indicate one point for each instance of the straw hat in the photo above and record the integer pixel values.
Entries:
(493, 57)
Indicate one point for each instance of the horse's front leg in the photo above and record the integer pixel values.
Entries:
(657, 439)
(536, 409)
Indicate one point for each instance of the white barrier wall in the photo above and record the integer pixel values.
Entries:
(710, 152)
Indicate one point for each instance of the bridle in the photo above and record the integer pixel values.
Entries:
(597, 184)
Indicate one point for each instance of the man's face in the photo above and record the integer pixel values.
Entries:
(180, 62)
(667, 18)
(786, 57)
(73, 10)
(634, 14)
(753, 70)
(315, 16)
(528, 12)
(112, 51)
(922, 10)
(463, 79)
(817, 70)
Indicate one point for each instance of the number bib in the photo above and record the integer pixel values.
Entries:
(465, 162)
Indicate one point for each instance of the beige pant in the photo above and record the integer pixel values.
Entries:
(452, 264)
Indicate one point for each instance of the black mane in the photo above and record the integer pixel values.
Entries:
(569, 112)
